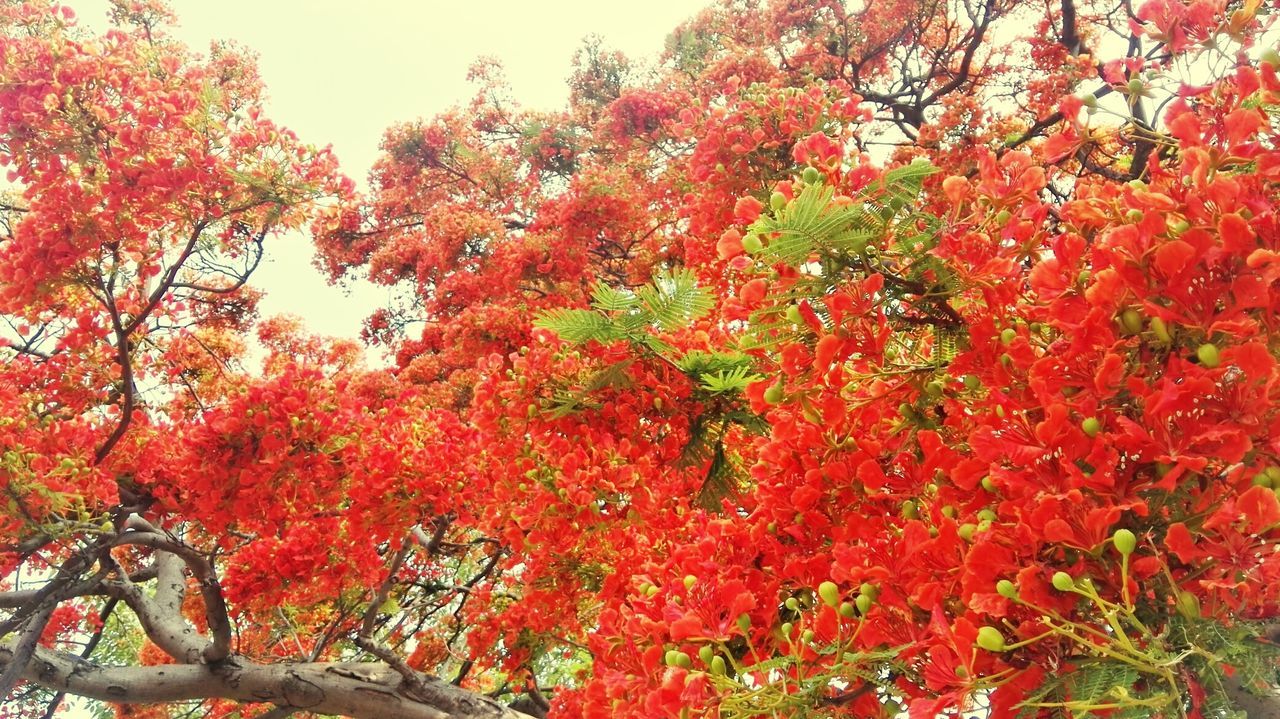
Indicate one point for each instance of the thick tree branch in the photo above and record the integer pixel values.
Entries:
(161, 615)
(432, 544)
(215, 607)
(124, 350)
(356, 690)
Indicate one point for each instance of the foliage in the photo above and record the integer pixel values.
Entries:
(858, 358)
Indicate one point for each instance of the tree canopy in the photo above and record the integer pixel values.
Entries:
(854, 359)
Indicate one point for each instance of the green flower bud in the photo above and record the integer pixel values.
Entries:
(775, 392)
(718, 667)
(1160, 330)
(1207, 353)
(991, 639)
(1131, 320)
(1063, 582)
(1124, 541)
(863, 603)
(829, 593)
(1188, 605)
(1091, 426)
(706, 654)
(1007, 589)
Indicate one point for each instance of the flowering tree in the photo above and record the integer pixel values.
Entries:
(857, 359)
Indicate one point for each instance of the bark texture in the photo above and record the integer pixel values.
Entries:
(356, 690)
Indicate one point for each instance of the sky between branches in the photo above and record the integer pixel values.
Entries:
(340, 73)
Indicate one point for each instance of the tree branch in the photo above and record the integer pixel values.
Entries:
(23, 649)
(356, 690)
(215, 606)
(161, 615)
(21, 597)
(52, 709)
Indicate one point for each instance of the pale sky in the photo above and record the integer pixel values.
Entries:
(340, 72)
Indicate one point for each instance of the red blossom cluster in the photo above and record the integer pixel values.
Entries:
(860, 358)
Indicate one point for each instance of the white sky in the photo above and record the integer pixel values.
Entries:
(340, 72)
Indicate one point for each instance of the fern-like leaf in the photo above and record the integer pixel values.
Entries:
(673, 299)
(902, 185)
(578, 325)
(811, 223)
(612, 299)
(1091, 682)
(729, 380)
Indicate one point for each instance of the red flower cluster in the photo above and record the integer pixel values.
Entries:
(843, 365)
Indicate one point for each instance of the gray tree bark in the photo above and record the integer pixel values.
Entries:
(353, 689)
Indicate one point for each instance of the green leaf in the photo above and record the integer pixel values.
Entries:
(905, 182)
(1091, 682)
(811, 223)
(674, 299)
(729, 380)
(658, 346)
(578, 325)
(567, 401)
(610, 299)
(769, 665)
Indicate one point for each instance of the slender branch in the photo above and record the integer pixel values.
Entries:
(27, 349)
(432, 543)
(966, 62)
(85, 653)
(365, 639)
(24, 649)
(127, 390)
(241, 278)
(23, 597)
(166, 282)
(61, 588)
